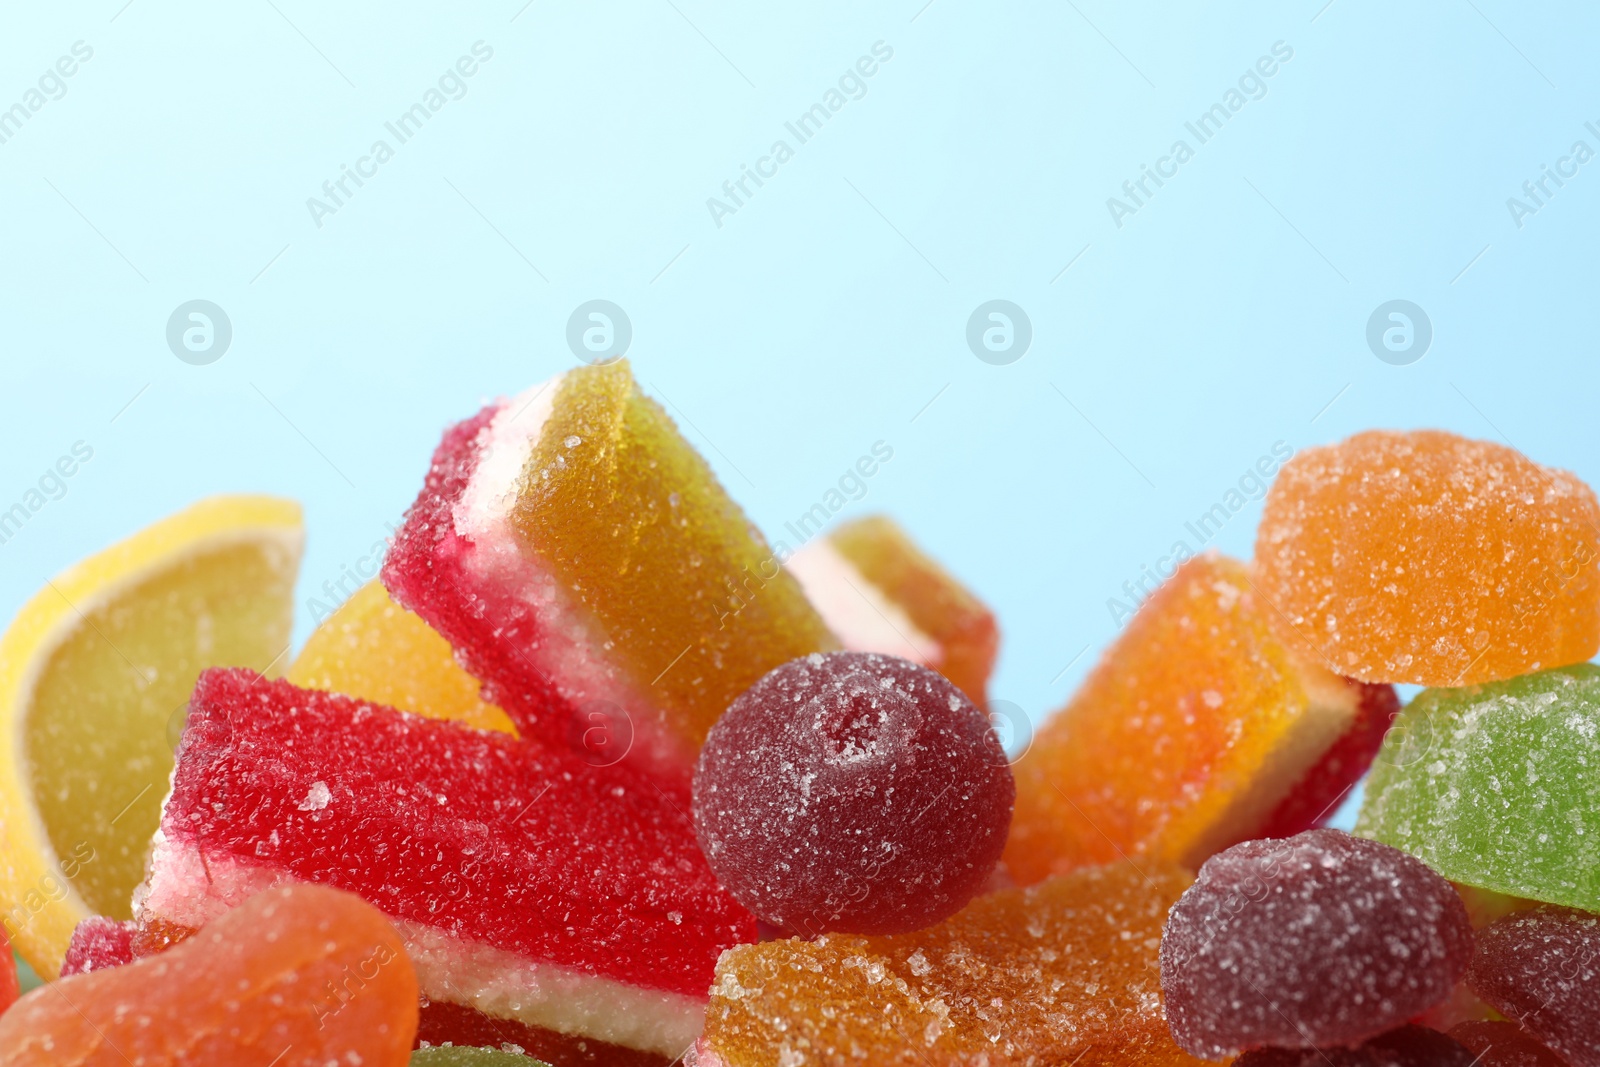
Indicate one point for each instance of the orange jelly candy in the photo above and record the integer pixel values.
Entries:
(1064, 972)
(1427, 558)
(374, 649)
(1199, 728)
(303, 976)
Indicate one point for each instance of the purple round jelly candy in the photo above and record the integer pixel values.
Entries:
(852, 792)
(1503, 1044)
(1317, 939)
(1542, 968)
(1409, 1046)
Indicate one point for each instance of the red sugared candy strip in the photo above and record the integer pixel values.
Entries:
(1542, 968)
(525, 882)
(853, 792)
(1321, 939)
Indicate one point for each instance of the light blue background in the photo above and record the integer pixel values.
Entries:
(829, 312)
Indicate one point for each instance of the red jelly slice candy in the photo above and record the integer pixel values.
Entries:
(853, 792)
(525, 882)
(1320, 939)
(1542, 968)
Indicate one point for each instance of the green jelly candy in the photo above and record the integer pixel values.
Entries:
(451, 1056)
(1498, 785)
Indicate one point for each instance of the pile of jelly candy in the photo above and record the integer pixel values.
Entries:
(599, 777)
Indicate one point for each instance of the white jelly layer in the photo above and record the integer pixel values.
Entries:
(183, 889)
(856, 611)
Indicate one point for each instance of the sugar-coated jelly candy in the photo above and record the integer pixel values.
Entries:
(1498, 785)
(879, 592)
(1542, 968)
(302, 976)
(1199, 728)
(471, 1057)
(98, 943)
(1060, 973)
(1319, 939)
(851, 791)
(1503, 1044)
(526, 883)
(587, 566)
(373, 649)
(1407, 1046)
(1431, 559)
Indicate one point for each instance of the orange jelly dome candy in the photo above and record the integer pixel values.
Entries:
(303, 976)
(1065, 969)
(1431, 559)
(1194, 732)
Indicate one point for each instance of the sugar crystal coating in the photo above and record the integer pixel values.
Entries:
(586, 565)
(1431, 559)
(1503, 1044)
(850, 791)
(1319, 939)
(1198, 728)
(1407, 1046)
(98, 943)
(1498, 785)
(1542, 968)
(296, 977)
(1061, 973)
(524, 881)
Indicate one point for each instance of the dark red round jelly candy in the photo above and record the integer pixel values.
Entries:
(1408, 1046)
(1314, 940)
(1542, 968)
(1502, 1044)
(852, 792)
